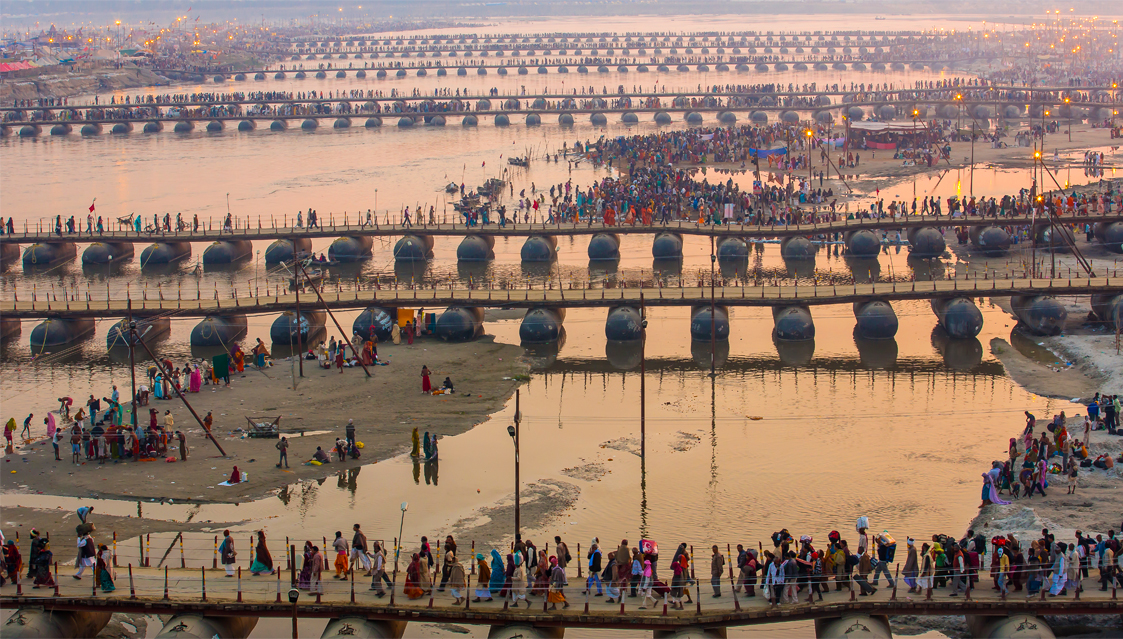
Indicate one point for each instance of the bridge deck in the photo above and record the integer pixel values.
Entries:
(259, 599)
(810, 295)
(272, 232)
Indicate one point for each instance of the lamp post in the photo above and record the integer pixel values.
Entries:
(809, 178)
(1069, 119)
(397, 552)
(513, 431)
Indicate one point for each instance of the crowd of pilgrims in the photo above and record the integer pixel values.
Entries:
(790, 571)
(654, 187)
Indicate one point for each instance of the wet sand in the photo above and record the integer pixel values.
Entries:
(385, 408)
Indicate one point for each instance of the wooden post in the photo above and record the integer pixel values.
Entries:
(278, 586)
(664, 604)
(114, 548)
(148, 550)
(56, 579)
(165, 583)
(897, 579)
(214, 562)
(204, 582)
(288, 557)
(352, 587)
(132, 586)
(182, 560)
(239, 584)
(579, 561)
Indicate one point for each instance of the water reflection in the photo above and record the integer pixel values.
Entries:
(623, 356)
(542, 356)
(536, 270)
(795, 353)
(864, 269)
(733, 268)
(605, 270)
(926, 269)
(472, 272)
(667, 271)
(804, 268)
(410, 272)
(876, 354)
(99, 272)
(959, 354)
(700, 351)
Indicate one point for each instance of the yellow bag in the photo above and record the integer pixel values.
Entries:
(315, 463)
(359, 445)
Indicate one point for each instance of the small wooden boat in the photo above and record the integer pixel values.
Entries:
(523, 162)
(310, 276)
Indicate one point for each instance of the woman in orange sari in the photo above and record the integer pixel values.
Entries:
(239, 358)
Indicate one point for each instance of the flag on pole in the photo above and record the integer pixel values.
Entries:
(92, 205)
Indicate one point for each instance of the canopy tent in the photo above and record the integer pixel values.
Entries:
(888, 135)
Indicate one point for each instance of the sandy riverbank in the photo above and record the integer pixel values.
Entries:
(385, 408)
(67, 85)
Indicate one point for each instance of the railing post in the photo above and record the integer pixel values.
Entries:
(239, 583)
(132, 586)
(896, 580)
(56, 579)
(204, 582)
(165, 583)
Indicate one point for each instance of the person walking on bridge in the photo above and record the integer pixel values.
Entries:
(359, 549)
(717, 568)
(341, 551)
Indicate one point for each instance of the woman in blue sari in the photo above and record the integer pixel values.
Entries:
(498, 573)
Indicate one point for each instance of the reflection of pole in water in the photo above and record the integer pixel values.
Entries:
(713, 431)
(643, 416)
(643, 498)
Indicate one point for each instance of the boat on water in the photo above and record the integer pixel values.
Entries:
(310, 276)
(523, 162)
(452, 187)
(492, 187)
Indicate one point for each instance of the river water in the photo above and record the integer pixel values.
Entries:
(899, 433)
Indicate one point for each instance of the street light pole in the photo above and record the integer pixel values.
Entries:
(397, 552)
(513, 431)
(713, 309)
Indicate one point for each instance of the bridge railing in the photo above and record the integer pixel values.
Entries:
(552, 294)
(393, 223)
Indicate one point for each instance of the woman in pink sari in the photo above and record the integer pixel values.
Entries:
(196, 382)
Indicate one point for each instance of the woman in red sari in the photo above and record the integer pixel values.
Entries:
(239, 358)
(413, 578)
(426, 385)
